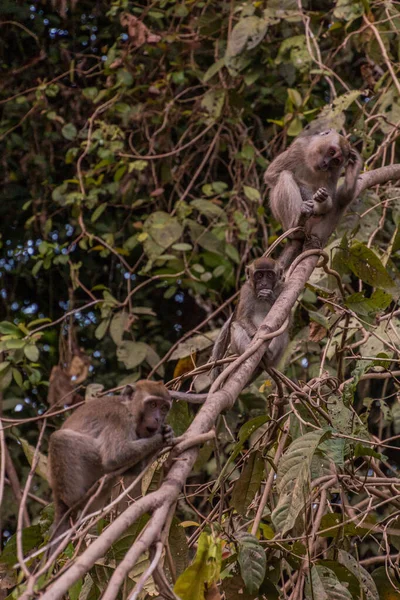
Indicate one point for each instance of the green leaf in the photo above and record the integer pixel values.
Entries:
(366, 582)
(209, 209)
(213, 103)
(252, 561)
(10, 329)
(246, 35)
(164, 229)
(197, 343)
(324, 585)
(365, 264)
(137, 165)
(182, 247)
(98, 212)
(31, 352)
(101, 330)
(384, 584)
(293, 479)
(14, 344)
(368, 307)
(178, 546)
(31, 538)
(36, 268)
(213, 70)
(251, 193)
(69, 131)
(205, 569)
(17, 378)
(132, 354)
(248, 484)
(118, 326)
(294, 50)
(205, 239)
(42, 466)
(244, 433)
(348, 11)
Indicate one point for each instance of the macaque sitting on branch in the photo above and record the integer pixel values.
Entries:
(258, 294)
(103, 436)
(303, 181)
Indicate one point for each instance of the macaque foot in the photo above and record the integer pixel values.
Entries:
(312, 242)
(320, 195)
(307, 208)
(168, 435)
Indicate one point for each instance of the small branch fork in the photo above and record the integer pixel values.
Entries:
(221, 397)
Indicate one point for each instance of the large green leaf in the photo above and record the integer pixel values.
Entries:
(293, 479)
(324, 585)
(248, 484)
(164, 229)
(205, 569)
(366, 265)
(252, 561)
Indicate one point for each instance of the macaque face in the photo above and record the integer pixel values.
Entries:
(264, 281)
(151, 421)
(333, 154)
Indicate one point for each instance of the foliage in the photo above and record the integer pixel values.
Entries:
(134, 137)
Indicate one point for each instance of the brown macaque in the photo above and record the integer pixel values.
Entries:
(64, 380)
(303, 181)
(257, 296)
(103, 436)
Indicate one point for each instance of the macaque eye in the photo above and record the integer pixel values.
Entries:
(270, 274)
(153, 404)
(164, 408)
(258, 275)
(332, 152)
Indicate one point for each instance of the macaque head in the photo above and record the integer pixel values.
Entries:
(328, 151)
(263, 275)
(150, 402)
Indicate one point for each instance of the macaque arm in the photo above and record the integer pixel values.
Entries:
(220, 347)
(118, 453)
(346, 192)
(222, 342)
(241, 335)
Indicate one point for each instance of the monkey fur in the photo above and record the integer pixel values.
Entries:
(303, 181)
(257, 296)
(102, 436)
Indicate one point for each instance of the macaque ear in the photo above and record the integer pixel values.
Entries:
(247, 271)
(129, 391)
(279, 273)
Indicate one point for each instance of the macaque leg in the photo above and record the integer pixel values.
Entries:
(288, 205)
(74, 467)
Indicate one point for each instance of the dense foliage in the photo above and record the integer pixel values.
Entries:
(134, 136)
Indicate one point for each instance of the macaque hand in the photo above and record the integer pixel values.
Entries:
(168, 435)
(320, 195)
(353, 158)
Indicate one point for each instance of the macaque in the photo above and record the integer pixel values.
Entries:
(65, 380)
(303, 181)
(102, 436)
(258, 294)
